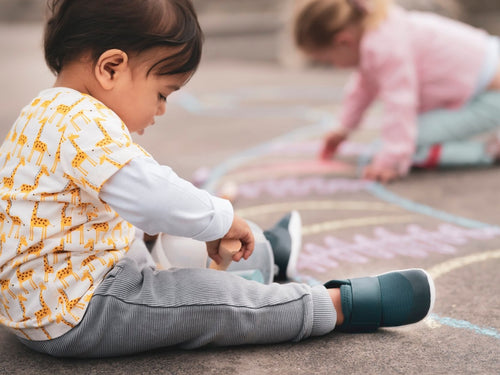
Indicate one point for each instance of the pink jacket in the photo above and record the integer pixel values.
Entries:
(413, 62)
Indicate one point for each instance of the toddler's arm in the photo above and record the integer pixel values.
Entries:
(359, 95)
(398, 94)
(153, 198)
(389, 62)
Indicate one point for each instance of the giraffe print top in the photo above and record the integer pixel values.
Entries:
(58, 240)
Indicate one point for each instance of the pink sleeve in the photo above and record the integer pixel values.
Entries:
(358, 96)
(394, 71)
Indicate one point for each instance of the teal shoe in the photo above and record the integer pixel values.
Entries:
(392, 299)
(285, 238)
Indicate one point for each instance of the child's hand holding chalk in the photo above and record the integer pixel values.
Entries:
(237, 243)
(227, 249)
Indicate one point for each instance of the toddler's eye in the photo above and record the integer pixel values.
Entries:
(162, 97)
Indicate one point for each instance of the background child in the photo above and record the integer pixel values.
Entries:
(438, 80)
(75, 280)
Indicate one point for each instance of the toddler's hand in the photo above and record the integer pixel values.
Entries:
(384, 175)
(239, 231)
(331, 143)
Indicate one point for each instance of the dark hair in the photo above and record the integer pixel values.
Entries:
(133, 26)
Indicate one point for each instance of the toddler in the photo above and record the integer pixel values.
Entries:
(76, 280)
(438, 80)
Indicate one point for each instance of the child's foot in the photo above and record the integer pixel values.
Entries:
(388, 300)
(286, 240)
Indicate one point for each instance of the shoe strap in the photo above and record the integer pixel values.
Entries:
(335, 283)
(366, 304)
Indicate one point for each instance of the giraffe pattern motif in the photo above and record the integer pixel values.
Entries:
(84, 117)
(68, 305)
(87, 262)
(100, 228)
(33, 250)
(6, 309)
(44, 312)
(2, 222)
(38, 145)
(60, 319)
(26, 188)
(8, 182)
(64, 110)
(5, 286)
(57, 157)
(15, 220)
(66, 221)
(107, 140)
(22, 242)
(22, 140)
(56, 236)
(65, 272)
(22, 277)
(48, 269)
(80, 157)
(38, 222)
(21, 298)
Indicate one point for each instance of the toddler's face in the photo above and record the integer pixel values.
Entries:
(142, 96)
(338, 55)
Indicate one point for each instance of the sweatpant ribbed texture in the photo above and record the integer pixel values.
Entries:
(136, 310)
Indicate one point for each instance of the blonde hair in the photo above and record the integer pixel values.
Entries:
(317, 21)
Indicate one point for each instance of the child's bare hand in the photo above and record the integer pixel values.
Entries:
(383, 175)
(331, 142)
(239, 231)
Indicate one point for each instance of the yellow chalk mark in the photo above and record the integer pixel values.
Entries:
(456, 263)
(354, 223)
(316, 205)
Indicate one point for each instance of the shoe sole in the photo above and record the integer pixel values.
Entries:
(432, 288)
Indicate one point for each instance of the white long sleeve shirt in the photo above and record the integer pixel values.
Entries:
(155, 199)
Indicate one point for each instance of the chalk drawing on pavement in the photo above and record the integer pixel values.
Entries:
(304, 141)
(415, 242)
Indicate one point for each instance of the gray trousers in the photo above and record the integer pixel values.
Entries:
(138, 308)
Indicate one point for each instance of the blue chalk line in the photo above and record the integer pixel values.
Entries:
(381, 192)
(463, 324)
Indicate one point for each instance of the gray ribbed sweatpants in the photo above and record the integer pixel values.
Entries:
(137, 309)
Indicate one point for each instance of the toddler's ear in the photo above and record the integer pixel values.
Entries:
(110, 67)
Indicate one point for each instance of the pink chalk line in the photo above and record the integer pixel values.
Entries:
(297, 187)
(293, 168)
(416, 242)
(312, 147)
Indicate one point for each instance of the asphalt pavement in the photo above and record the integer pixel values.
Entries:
(251, 130)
